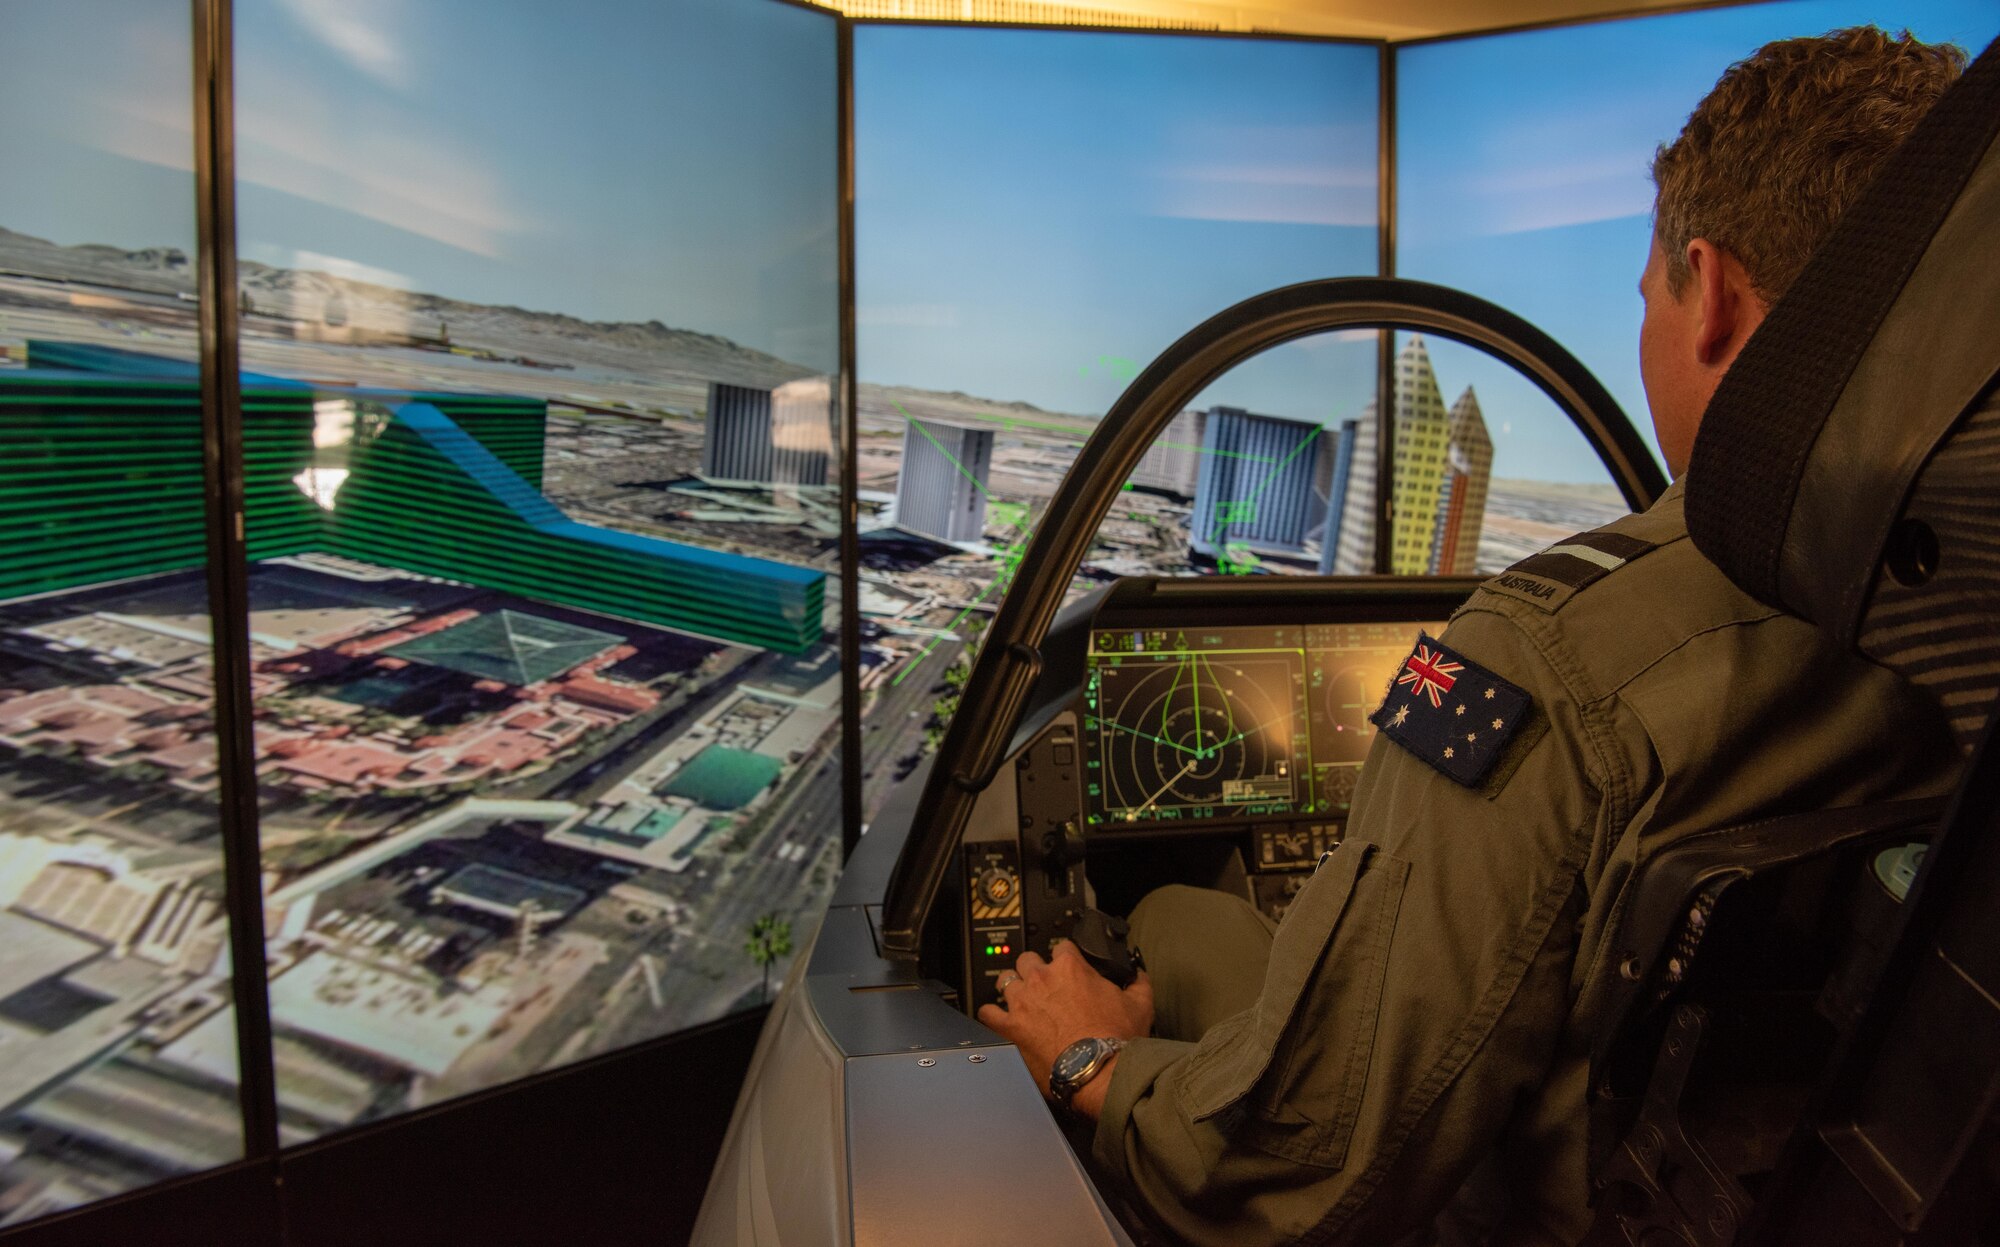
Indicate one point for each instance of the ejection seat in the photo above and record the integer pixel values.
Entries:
(1808, 1045)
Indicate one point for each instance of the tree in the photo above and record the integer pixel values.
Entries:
(770, 939)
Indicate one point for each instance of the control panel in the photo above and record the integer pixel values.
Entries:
(1203, 725)
(1026, 890)
(996, 932)
(1282, 859)
(1179, 743)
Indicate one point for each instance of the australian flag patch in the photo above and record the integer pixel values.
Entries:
(1451, 712)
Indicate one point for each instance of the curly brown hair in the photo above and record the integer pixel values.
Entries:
(1786, 140)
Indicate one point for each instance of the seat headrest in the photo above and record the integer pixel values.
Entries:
(1779, 412)
(1861, 384)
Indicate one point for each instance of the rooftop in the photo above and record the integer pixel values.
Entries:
(722, 778)
(510, 646)
(490, 889)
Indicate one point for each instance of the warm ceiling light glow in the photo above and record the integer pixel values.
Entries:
(1167, 15)
(1364, 19)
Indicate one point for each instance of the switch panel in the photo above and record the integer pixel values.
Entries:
(995, 932)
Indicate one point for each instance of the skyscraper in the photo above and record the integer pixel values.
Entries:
(781, 437)
(941, 490)
(1444, 462)
(1347, 547)
(1422, 429)
(801, 431)
(1173, 461)
(1461, 510)
(1255, 484)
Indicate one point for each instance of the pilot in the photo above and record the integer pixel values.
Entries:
(1426, 1006)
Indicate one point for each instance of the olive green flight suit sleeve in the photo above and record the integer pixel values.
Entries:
(1413, 997)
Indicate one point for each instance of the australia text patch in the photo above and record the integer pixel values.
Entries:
(1555, 575)
(1451, 712)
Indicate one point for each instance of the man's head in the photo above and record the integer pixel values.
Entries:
(1762, 170)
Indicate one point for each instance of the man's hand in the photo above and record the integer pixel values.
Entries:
(1052, 1004)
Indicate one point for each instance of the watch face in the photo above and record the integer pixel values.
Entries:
(1073, 1060)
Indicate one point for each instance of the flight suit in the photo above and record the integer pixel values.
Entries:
(1429, 999)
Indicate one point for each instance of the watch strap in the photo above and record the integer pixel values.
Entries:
(1065, 1090)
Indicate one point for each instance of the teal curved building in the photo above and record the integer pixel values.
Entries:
(100, 480)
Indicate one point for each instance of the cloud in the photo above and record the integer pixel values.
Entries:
(1287, 194)
(397, 176)
(1550, 193)
(356, 31)
(139, 128)
(1269, 174)
(1591, 161)
(144, 114)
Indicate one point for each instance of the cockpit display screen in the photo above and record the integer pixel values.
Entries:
(1197, 723)
(1349, 666)
(1212, 724)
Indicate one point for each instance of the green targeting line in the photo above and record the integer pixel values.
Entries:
(1200, 750)
(1272, 475)
(925, 652)
(1252, 731)
(1228, 707)
(1146, 736)
(1010, 559)
(1009, 421)
(1167, 702)
(918, 425)
(1236, 510)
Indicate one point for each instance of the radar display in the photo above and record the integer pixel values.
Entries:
(1349, 668)
(1196, 724)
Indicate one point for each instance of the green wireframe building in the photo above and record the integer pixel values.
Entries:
(100, 480)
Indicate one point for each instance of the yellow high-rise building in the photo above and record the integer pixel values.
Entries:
(1423, 429)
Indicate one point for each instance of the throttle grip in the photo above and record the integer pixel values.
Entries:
(1101, 939)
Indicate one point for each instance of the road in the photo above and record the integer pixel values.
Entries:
(701, 969)
(890, 732)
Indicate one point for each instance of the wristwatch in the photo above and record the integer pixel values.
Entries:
(1078, 1064)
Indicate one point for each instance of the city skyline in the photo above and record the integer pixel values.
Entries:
(1268, 486)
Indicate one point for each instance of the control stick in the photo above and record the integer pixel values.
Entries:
(1101, 940)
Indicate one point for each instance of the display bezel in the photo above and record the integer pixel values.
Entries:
(1290, 602)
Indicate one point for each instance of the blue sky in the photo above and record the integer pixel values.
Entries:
(98, 145)
(1036, 208)
(1033, 209)
(1039, 213)
(1523, 178)
(671, 161)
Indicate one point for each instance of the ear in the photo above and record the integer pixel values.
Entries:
(1727, 303)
